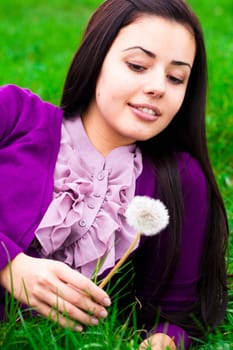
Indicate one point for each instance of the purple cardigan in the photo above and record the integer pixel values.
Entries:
(29, 143)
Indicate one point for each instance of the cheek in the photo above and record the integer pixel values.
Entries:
(104, 97)
(106, 89)
(106, 100)
(101, 91)
(177, 103)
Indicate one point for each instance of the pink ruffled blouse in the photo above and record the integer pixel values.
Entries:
(85, 226)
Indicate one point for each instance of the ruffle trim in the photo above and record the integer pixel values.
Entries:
(85, 226)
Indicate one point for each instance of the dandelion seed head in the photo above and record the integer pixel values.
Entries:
(147, 215)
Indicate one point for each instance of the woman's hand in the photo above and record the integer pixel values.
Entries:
(158, 341)
(55, 290)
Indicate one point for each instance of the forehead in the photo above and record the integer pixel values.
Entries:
(157, 34)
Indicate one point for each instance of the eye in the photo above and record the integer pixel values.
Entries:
(136, 67)
(175, 80)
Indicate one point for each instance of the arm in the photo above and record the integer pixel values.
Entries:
(29, 142)
(29, 128)
(10, 104)
(179, 297)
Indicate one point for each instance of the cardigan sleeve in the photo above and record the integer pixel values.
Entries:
(29, 142)
(179, 295)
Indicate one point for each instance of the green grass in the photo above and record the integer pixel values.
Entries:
(38, 333)
(37, 42)
(216, 18)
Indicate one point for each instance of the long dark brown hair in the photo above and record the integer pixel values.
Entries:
(185, 133)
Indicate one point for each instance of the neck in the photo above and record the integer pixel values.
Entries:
(101, 136)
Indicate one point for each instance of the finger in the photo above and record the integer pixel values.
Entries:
(54, 315)
(72, 311)
(83, 283)
(82, 301)
(63, 312)
(67, 299)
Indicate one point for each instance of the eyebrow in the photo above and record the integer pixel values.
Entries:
(151, 54)
(148, 53)
(181, 63)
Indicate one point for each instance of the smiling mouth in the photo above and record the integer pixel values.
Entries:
(147, 111)
(152, 111)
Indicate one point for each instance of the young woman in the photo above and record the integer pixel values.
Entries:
(131, 122)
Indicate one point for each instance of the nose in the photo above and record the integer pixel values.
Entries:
(155, 85)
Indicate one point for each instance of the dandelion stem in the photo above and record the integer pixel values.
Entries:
(120, 262)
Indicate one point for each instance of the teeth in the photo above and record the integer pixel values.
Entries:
(147, 110)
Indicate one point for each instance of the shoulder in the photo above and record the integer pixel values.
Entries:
(191, 172)
(15, 94)
(146, 182)
(189, 167)
(22, 110)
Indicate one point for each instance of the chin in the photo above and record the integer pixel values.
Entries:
(145, 138)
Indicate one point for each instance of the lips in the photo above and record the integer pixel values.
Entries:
(146, 110)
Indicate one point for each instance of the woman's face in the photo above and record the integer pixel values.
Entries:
(142, 82)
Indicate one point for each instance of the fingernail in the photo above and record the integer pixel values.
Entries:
(94, 321)
(103, 313)
(107, 302)
(78, 328)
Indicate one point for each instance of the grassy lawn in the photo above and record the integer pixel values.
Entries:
(37, 42)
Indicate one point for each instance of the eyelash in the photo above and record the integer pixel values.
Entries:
(140, 69)
(136, 67)
(175, 80)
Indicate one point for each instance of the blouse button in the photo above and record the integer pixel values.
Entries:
(100, 176)
(91, 205)
(97, 195)
(82, 223)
